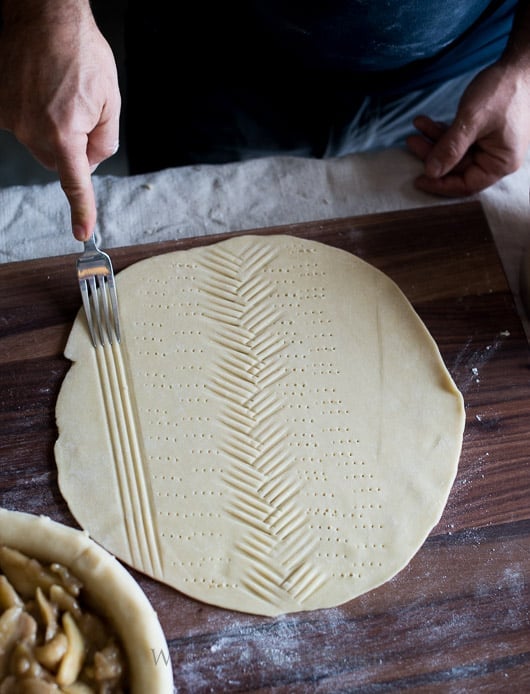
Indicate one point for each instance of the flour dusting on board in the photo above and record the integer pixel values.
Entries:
(471, 360)
(37, 502)
(276, 646)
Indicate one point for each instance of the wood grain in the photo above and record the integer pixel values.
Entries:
(457, 617)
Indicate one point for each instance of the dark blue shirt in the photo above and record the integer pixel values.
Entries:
(258, 77)
(393, 45)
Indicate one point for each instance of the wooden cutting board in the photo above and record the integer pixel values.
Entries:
(457, 618)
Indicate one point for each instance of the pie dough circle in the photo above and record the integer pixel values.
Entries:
(276, 432)
(111, 588)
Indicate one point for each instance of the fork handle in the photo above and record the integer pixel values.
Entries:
(90, 243)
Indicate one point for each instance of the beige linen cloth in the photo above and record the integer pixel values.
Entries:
(201, 200)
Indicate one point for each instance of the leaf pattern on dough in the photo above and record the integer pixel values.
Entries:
(276, 546)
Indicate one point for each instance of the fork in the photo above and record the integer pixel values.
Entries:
(98, 291)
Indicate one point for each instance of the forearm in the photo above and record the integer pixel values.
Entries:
(44, 21)
(517, 52)
(21, 11)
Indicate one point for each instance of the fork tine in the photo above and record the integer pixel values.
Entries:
(95, 302)
(106, 289)
(85, 295)
(103, 304)
(98, 290)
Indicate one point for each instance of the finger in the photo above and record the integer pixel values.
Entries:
(419, 146)
(103, 142)
(450, 148)
(433, 130)
(471, 181)
(74, 174)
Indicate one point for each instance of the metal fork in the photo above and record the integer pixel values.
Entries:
(98, 290)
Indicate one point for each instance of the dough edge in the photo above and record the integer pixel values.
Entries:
(453, 455)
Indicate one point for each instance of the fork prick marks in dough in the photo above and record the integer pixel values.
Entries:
(276, 547)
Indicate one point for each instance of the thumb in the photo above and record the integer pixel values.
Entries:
(74, 170)
(450, 149)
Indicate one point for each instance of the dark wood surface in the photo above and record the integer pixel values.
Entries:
(457, 618)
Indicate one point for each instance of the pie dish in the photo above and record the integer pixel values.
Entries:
(111, 589)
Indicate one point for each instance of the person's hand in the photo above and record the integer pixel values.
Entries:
(488, 139)
(59, 95)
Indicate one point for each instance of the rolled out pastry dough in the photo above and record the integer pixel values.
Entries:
(276, 432)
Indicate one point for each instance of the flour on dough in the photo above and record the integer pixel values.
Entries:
(276, 432)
